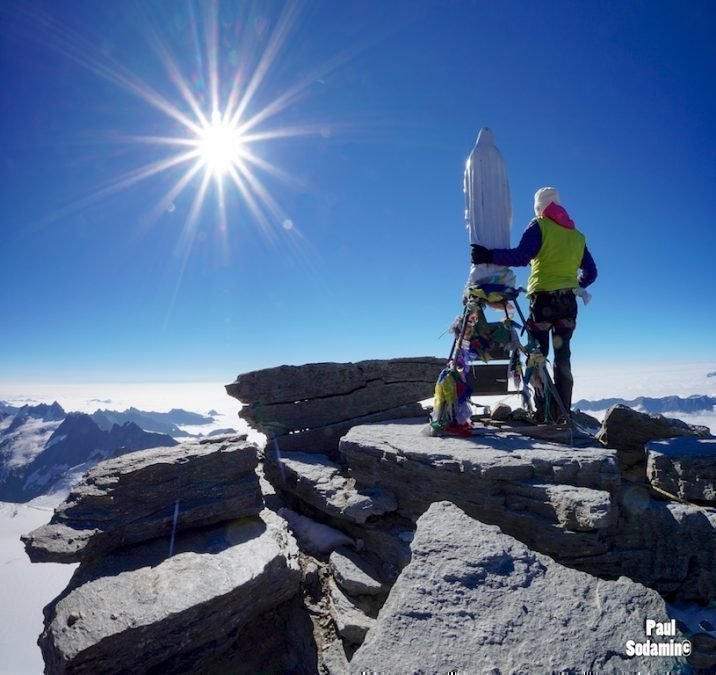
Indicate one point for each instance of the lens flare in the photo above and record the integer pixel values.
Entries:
(225, 101)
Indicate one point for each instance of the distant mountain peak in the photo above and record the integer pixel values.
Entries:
(673, 404)
(47, 413)
(77, 441)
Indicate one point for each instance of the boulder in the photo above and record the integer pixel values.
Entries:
(500, 412)
(316, 480)
(667, 546)
(354, 574)
(139, 609)
(286, 384)
(315, 537)
(473, 599)
(143, 495)
(684, 467)
(309, 407)
(628, 431)
(352, 623)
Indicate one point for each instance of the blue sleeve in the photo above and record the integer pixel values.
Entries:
(588, 269)
(527, 249)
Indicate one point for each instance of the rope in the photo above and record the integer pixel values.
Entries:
(678, 499)
(176, 518)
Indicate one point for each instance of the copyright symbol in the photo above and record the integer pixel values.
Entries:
(686, 647)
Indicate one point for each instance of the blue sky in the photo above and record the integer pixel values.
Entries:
(365, 253)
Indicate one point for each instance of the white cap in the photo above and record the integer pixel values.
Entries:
(544, 197)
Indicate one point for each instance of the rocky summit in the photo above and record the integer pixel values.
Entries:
(385, 549)
(473, 599)
(140, 495)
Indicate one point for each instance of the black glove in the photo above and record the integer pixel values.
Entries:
(480, 255)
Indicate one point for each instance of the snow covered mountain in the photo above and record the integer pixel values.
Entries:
(665, 404)
(160, 422)
(43, 448)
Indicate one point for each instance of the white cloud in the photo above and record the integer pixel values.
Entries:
(27, 587)
(595, 381)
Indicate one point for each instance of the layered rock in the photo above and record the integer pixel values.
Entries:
(473, 599)
(568, 503)
(667, 546)
(316, 480)
(141, 609)
(629, 431)
(351, 619)
(308, 408)
(684, 467)
(354, 574)
(150, 494)
(556, 499)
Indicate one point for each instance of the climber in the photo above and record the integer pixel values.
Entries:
(561, 265)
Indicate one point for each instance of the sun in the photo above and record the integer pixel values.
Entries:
(220, 146)
(226, 99)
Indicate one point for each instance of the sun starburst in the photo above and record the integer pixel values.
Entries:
(215, 115)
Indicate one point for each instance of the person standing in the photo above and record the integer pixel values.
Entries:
(561, 264)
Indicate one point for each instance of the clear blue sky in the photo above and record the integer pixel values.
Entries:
(612, 102)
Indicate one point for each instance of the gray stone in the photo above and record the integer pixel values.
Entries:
(576, 509)
(374, 397)
(498, 477)
(287, 384)
(500, 412)
(581, 509)
(308, 408)
(354, 574)
(313, 536)
(666, 545)
(351, 622)
(332, 658)
(586, 422)
(473, 599)
(319, 482)
(684, 467)
(279, 641)
(133, 498)
(385, 542)
(326, 439)
(628, 431)
(140, 609)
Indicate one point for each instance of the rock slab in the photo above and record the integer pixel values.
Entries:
(473, 599)
(318, 481)
(684, 467)
(287, 384)
(140, 610)
(308, 408)
(628, 431)
(352, 623)
(142, 495)
(667, 545)
(555, 498)
(355, 575)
